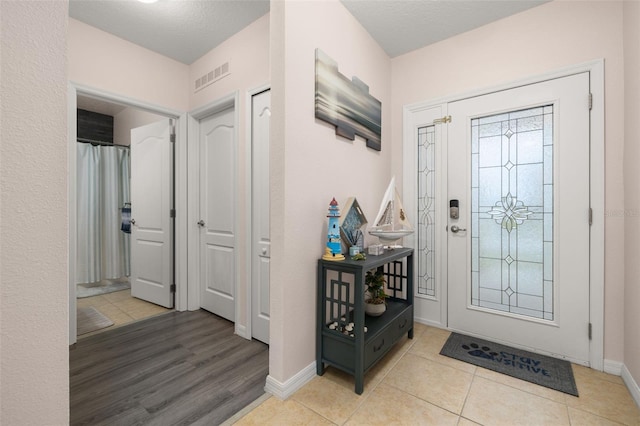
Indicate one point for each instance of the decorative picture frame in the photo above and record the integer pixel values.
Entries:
(346, 103)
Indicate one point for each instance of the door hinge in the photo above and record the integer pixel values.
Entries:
(443, 120)
(172, 288)
(172, 213)
(590, 331)
(172, 131)
(590, 101)
(172, 138)
(590, 216)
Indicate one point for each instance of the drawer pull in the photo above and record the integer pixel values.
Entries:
(403, 324)
(376, 349)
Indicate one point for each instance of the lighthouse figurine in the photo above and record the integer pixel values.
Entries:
(333, 251)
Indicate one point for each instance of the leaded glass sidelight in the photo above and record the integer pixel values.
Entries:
(426, 211)
(512, 212)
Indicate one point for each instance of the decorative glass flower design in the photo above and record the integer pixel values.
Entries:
(509, 212)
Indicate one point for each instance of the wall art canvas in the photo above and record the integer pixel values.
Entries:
(346, 103)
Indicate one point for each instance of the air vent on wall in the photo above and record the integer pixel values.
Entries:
(212, 76)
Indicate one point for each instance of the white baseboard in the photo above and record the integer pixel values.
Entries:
(613, 367)
(430, 323)
(241, 331)
(632, 385)
(288, 388)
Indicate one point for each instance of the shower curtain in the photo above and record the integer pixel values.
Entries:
(103, 189)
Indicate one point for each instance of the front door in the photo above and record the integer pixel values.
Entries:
(518, 254)
(217, 213)
(151, 213)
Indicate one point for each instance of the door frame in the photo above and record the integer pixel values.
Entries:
(180, 190)
(193, 117)
(597, 193)
(249, 202)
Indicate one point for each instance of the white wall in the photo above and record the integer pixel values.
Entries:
(310, 164)
(34, 372)
(130, 118)
(632, 187)
(102, 61)
(542, 39)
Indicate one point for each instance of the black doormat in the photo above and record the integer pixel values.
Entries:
(539, 369)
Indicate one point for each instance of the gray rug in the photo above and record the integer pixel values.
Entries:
(539, 369)
(101, 287)
(89, 319)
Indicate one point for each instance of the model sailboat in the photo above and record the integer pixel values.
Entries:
(391, 223)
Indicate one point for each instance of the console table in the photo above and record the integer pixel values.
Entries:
(346, 338)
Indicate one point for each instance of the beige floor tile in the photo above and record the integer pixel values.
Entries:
(387, 405)
(466, 422)
(277, 413)
(604, 398)
(419, 328)
(429, 344)
(589, 373)
(329, 399)
(582, 418)
(431, 381)
(94, 301)
(492, 403)
(131, 304)
(117, 296)
(523, 385)
(376, 374)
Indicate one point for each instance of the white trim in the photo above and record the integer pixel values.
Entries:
(72, 105)
(288, 388)
(613, 367)
(232, 100)
(632, 385)
(75, 89)
(249, 200)
(241, 331)
(597, 179)
(104, 95)
(596, 70)
(180, 199)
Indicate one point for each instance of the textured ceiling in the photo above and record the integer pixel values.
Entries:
(400, 26)
(180, 29)
(187, 29)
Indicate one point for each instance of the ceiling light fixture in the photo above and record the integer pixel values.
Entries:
(147, 1)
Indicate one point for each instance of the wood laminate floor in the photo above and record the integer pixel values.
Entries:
(179, 368)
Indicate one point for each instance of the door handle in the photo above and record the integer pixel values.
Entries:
(455, 229)
(264, 251)
(200, 223)
(133, 221)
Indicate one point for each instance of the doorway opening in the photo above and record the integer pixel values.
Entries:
(102, 223)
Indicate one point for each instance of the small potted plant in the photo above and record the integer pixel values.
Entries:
(375, 303)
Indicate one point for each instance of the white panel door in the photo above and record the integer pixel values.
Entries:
(261, 244)
(151, 206)
(518, 256)
(217, 213)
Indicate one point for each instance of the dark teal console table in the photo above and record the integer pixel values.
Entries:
(348, 339)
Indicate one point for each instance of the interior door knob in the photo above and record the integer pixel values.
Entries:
(201, 223)
(264, 251)
(133, 221)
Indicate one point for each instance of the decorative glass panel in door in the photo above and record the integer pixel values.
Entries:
(426, 211)
(512, 212)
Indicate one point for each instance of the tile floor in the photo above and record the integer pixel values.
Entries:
(414, 385)
(121, 308)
